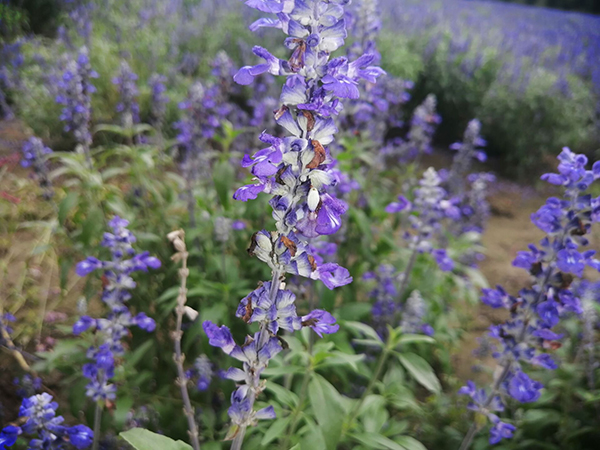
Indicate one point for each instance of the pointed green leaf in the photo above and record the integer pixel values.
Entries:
(421, 371)
(141, 439)
(327, 408)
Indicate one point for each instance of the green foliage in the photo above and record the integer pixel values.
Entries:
(141, 439)
(513, 113)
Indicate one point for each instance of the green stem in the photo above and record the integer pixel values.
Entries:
(354, 412)
(298, 409)
(97, 423)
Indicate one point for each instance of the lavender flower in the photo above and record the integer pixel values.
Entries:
(364, 23)
(202, 372)
(113, 328)
(528, 334)
(198, 125)
(128, 106)
(413, 314)
(389, 311)
(45, 427)
(294, 169)
(159, 99)
(466, 151)
(386, 305)
(422, 127)
(34, 156)
(27, 385)
(429, 208)
(76, 89)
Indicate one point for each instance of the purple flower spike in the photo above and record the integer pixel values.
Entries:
(298, 171)
(111, 329)
(554, 263)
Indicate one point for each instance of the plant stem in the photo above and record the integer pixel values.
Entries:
(408, 269)
(179, 357)
(355, 410)
(97, 423)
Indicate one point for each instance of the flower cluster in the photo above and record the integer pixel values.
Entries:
(45, 427)
(34, 156)
(159, 99)
(378, 110)
(468, 191)
(364, 23)
(117, 285)
(466, 151)
(528, 335)
(429, 208)
(199, 124)
(294, 169)
(413, 314)
(202, 372)
(128, 106)
(388, 309)
(385, 294)
(75, 91)
(223, 227)
(27, 385)
(422, 127)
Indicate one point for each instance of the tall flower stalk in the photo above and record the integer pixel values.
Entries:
(35, 155)
(294, 170)
(75, 94)
(111, 330)
(527, 337)
(46, 429)
(427, 211)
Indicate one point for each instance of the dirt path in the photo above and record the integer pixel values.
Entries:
(509, 231)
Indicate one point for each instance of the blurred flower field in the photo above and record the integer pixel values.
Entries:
(295, 224)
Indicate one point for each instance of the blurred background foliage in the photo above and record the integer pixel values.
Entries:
(531, 75)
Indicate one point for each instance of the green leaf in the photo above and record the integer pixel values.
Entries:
(363, 329)
(66, 205)
(409, 443)
(327, 408)
(377, 441)
(339, 358)
(141, 439)
(410, 338)
(275, 430)
(421, 371)
(354, 311)
(283, 395)
(369, 342)
(313, 439)
(124, 403)
(223, 177)
(283, 370)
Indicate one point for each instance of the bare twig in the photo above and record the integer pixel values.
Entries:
(178, 240)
